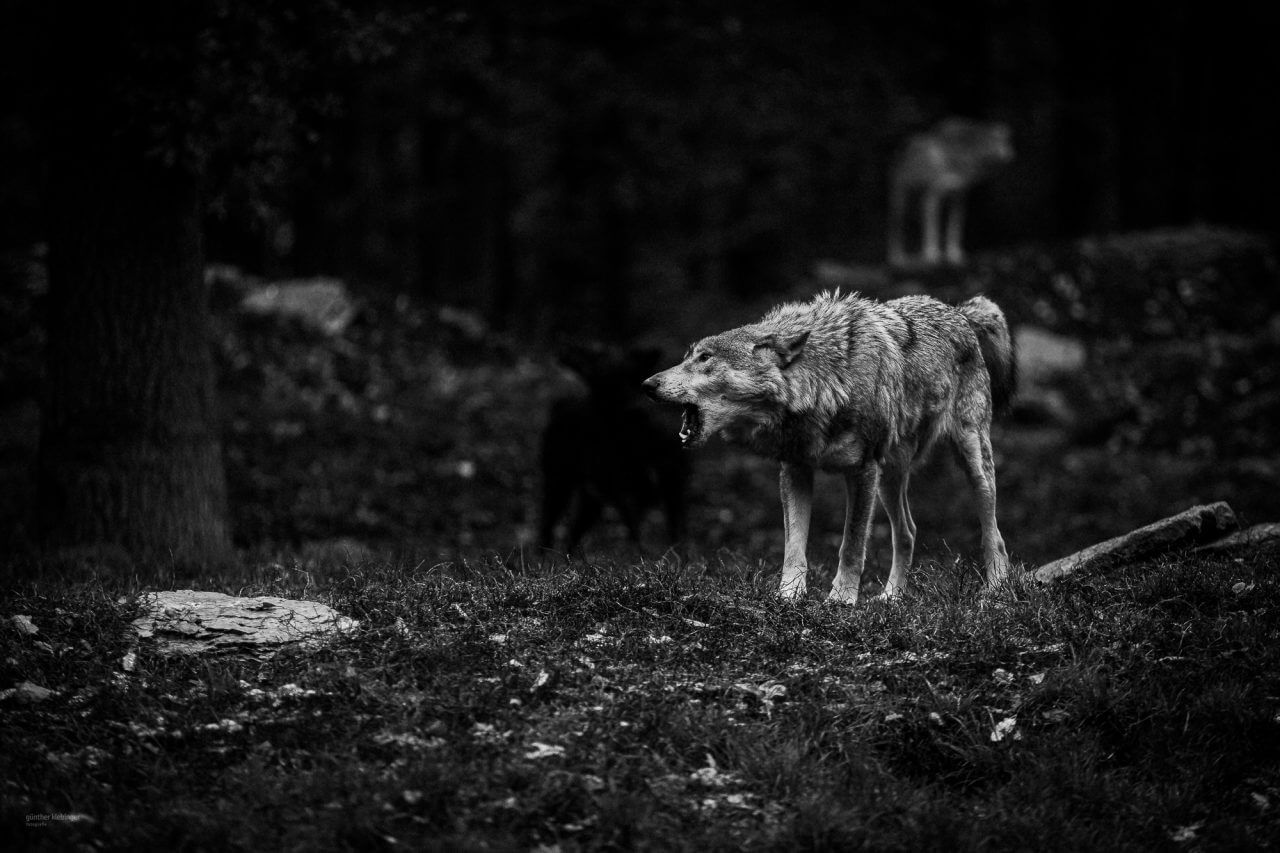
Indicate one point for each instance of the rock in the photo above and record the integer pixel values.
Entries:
(1267, 534)
(322, 304)
(189, 621)
(1190, 527)
(1042, 354)
(1047, 364)
(469, 324)
(1035, 405)
(24, 625)
(26, 693)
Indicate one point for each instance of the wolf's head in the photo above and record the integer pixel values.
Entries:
(730, 381)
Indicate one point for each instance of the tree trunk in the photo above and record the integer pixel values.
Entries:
(129, 449)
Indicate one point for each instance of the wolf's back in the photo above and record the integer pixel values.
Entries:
(992, 329)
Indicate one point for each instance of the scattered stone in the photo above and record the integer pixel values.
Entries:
(24, 625)
(469, 324)
(543, 750)
(544, 682)
(1045, 362)
(189, 621)
(1194, 526)
(1043, 355)
(322, 304)
(1267, 535)
(26, 693)
(1036, 405)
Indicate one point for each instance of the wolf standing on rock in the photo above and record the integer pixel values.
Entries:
(848, 384)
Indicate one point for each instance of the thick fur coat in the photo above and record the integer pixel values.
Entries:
(848, 384)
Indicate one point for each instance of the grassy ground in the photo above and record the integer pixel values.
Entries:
(658, 705)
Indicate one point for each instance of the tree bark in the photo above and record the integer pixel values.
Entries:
(129, 448)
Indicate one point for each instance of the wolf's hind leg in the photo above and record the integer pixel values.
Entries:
(796, 483)
(893, 494)
(974, 444)
(860, 501)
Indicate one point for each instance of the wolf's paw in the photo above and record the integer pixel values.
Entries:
(843, 595)
(889, 593)
(792, 592)
(999, 590)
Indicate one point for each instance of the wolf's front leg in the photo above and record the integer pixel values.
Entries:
(860, 491)
(796, 482)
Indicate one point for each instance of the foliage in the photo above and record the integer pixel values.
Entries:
(226, 90)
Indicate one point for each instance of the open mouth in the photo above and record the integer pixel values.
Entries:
(690, 424)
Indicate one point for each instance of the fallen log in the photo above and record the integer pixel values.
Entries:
(1195, 526)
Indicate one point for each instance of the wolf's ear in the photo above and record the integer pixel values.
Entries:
(784, 350)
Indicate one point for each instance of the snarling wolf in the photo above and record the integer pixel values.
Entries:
(606, 449)
(860, 387)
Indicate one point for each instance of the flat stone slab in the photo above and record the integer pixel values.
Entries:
(1191, 527)
(187, 621)
(26, 693)
(1250, 537)
(320, 303)
(1043, 354)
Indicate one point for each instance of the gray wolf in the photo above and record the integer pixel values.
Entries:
(606, 449)
(939, 167)
(859, 387)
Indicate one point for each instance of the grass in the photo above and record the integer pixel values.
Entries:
(666, 705)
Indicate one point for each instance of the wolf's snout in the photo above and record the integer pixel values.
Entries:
(650, 386)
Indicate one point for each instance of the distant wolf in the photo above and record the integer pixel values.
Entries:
(606, 449)
(939, 167)
(861, 387)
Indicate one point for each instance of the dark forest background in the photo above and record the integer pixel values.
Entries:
(548, 161)
(549, 165)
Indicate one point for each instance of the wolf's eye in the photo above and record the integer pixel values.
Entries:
(703, 357)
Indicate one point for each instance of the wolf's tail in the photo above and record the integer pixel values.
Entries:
(992, 329)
